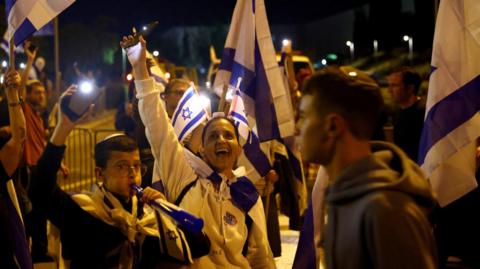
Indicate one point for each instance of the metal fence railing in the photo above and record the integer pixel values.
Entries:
(79, 158)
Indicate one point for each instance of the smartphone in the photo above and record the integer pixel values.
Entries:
(76, 105)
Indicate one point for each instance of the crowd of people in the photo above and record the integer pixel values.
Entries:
(378, 209)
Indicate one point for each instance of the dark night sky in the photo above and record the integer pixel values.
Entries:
(198, 12)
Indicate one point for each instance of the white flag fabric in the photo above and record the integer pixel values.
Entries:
(237, 112)
(189, 114)
(249, 54)
(25, 17)
(452, 121)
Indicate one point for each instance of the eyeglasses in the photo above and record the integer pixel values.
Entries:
(137, 168)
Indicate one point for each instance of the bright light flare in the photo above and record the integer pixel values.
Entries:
(286, 42)
(86, 87)
(156, 53)
(129, 77)
(406, 38)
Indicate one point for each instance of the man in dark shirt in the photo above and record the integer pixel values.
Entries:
(108, 228)
(403, 85)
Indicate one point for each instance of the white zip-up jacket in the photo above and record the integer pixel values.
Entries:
(225, 222)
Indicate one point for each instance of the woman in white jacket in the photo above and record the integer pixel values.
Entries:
(209, 186)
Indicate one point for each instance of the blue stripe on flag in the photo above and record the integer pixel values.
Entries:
(447, 115)
(305, 257)
(8, 6)
(227, 59)
(46, 30)
(268, 125)
(244, 194)
(247, 75)
(191, 124)
(24, 31)
(180, 106)
(16, 233)
(255, 155)
(239, 117)
(255, 85)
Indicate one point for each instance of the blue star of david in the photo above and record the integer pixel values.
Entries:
(186, 113)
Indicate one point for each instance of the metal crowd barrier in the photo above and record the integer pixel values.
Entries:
(79, 158)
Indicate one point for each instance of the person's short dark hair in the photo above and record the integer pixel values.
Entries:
(357, 99)
(410, 77)
(176, 84)
(31, 84)
(204, 131)
(104, 148)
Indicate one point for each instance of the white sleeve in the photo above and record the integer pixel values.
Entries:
(170, 163)
(259, 254)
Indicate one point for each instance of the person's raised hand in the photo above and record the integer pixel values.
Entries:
(31, 54)
(135, 49)
(63, 119)
(12, 79)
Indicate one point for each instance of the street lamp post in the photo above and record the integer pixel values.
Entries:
(352, 49)
(409, 39)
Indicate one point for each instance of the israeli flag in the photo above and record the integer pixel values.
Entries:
(237, 112)
(6, 46)
(16, 238)
(254, 155)
(190, 113)
(452, 121)
(249, 54)
(25, 17)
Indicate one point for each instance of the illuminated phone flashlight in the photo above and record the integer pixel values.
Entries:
(4, 64)
(22, 66)
(86, 87)
(129, 77)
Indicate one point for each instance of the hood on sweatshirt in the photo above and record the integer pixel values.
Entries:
(388, 168)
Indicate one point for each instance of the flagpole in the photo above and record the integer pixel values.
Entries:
(56, 56)
(221, 104)
(11, 56)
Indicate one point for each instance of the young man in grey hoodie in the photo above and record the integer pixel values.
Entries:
(377, 200)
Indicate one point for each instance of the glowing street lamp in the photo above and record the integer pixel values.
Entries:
(352, 49)
(409, 39)
(375, 47)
